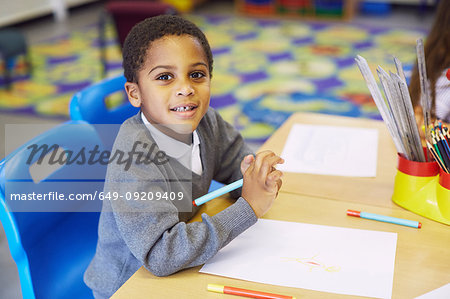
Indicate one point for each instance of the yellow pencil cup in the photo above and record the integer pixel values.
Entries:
(423, 189)
(443, 194)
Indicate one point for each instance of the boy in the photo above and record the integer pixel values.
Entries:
(168, 63)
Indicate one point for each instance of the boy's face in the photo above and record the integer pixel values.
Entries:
(174, 83)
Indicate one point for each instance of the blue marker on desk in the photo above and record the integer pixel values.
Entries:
(382, 218)
(216, 193)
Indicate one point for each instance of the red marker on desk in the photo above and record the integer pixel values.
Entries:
(245, 293)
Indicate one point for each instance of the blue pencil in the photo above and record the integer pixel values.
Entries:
(446, 145)
(216, 193)
(383, 218)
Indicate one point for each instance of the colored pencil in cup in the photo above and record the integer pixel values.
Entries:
(436, 157)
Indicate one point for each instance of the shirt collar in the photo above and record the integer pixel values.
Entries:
(169, 145)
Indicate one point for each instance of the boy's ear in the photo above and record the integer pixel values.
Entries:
(133, 94)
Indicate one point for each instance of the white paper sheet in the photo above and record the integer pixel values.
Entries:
(440, 293)
(326, 150)
(316, 257)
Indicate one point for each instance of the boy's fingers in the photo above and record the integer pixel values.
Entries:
(260, 164)
(263, 164)
(246, 162)
(279, 183)
(276, 188)
(268, 165)
(274, 178)
(263, 156)
(275, 175)
(260, 157)
(247, 159)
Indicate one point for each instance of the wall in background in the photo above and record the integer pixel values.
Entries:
(22, 10)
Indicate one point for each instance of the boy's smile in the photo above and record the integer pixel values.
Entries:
(173, 85)
(185, 110)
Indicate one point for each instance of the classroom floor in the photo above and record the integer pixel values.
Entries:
(45, 28)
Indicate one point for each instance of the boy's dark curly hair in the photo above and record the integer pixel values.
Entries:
(142, 34)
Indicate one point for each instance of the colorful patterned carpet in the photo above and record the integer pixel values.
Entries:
(264, 70)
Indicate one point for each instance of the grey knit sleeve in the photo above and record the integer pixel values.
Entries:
(164, 245)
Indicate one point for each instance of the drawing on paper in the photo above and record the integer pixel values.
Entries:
(313, 263)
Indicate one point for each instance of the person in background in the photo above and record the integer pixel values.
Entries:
(437, 60)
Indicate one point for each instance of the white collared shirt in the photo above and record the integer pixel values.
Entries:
(187, 155)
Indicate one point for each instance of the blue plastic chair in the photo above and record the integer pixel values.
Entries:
(89, 104)
(51, 249)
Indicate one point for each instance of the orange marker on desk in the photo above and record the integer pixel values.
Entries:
(245, 293)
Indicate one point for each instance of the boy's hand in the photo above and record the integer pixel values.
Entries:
(261, 181)
(246, 162)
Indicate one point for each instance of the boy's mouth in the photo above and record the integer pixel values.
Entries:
(184, 108)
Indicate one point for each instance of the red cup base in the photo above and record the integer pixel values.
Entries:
(444, 179)
(423, 169)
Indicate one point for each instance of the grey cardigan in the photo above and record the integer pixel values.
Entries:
(154, 234)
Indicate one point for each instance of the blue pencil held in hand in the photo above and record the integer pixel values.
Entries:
(216, 193)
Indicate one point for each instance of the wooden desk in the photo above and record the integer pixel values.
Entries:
(375, 191)
(422, 260)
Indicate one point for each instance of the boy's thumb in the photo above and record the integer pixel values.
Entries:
(249, 159)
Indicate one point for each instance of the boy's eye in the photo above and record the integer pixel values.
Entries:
(197, 75)
(164, 77)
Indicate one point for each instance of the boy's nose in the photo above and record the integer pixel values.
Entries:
(185, 89)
